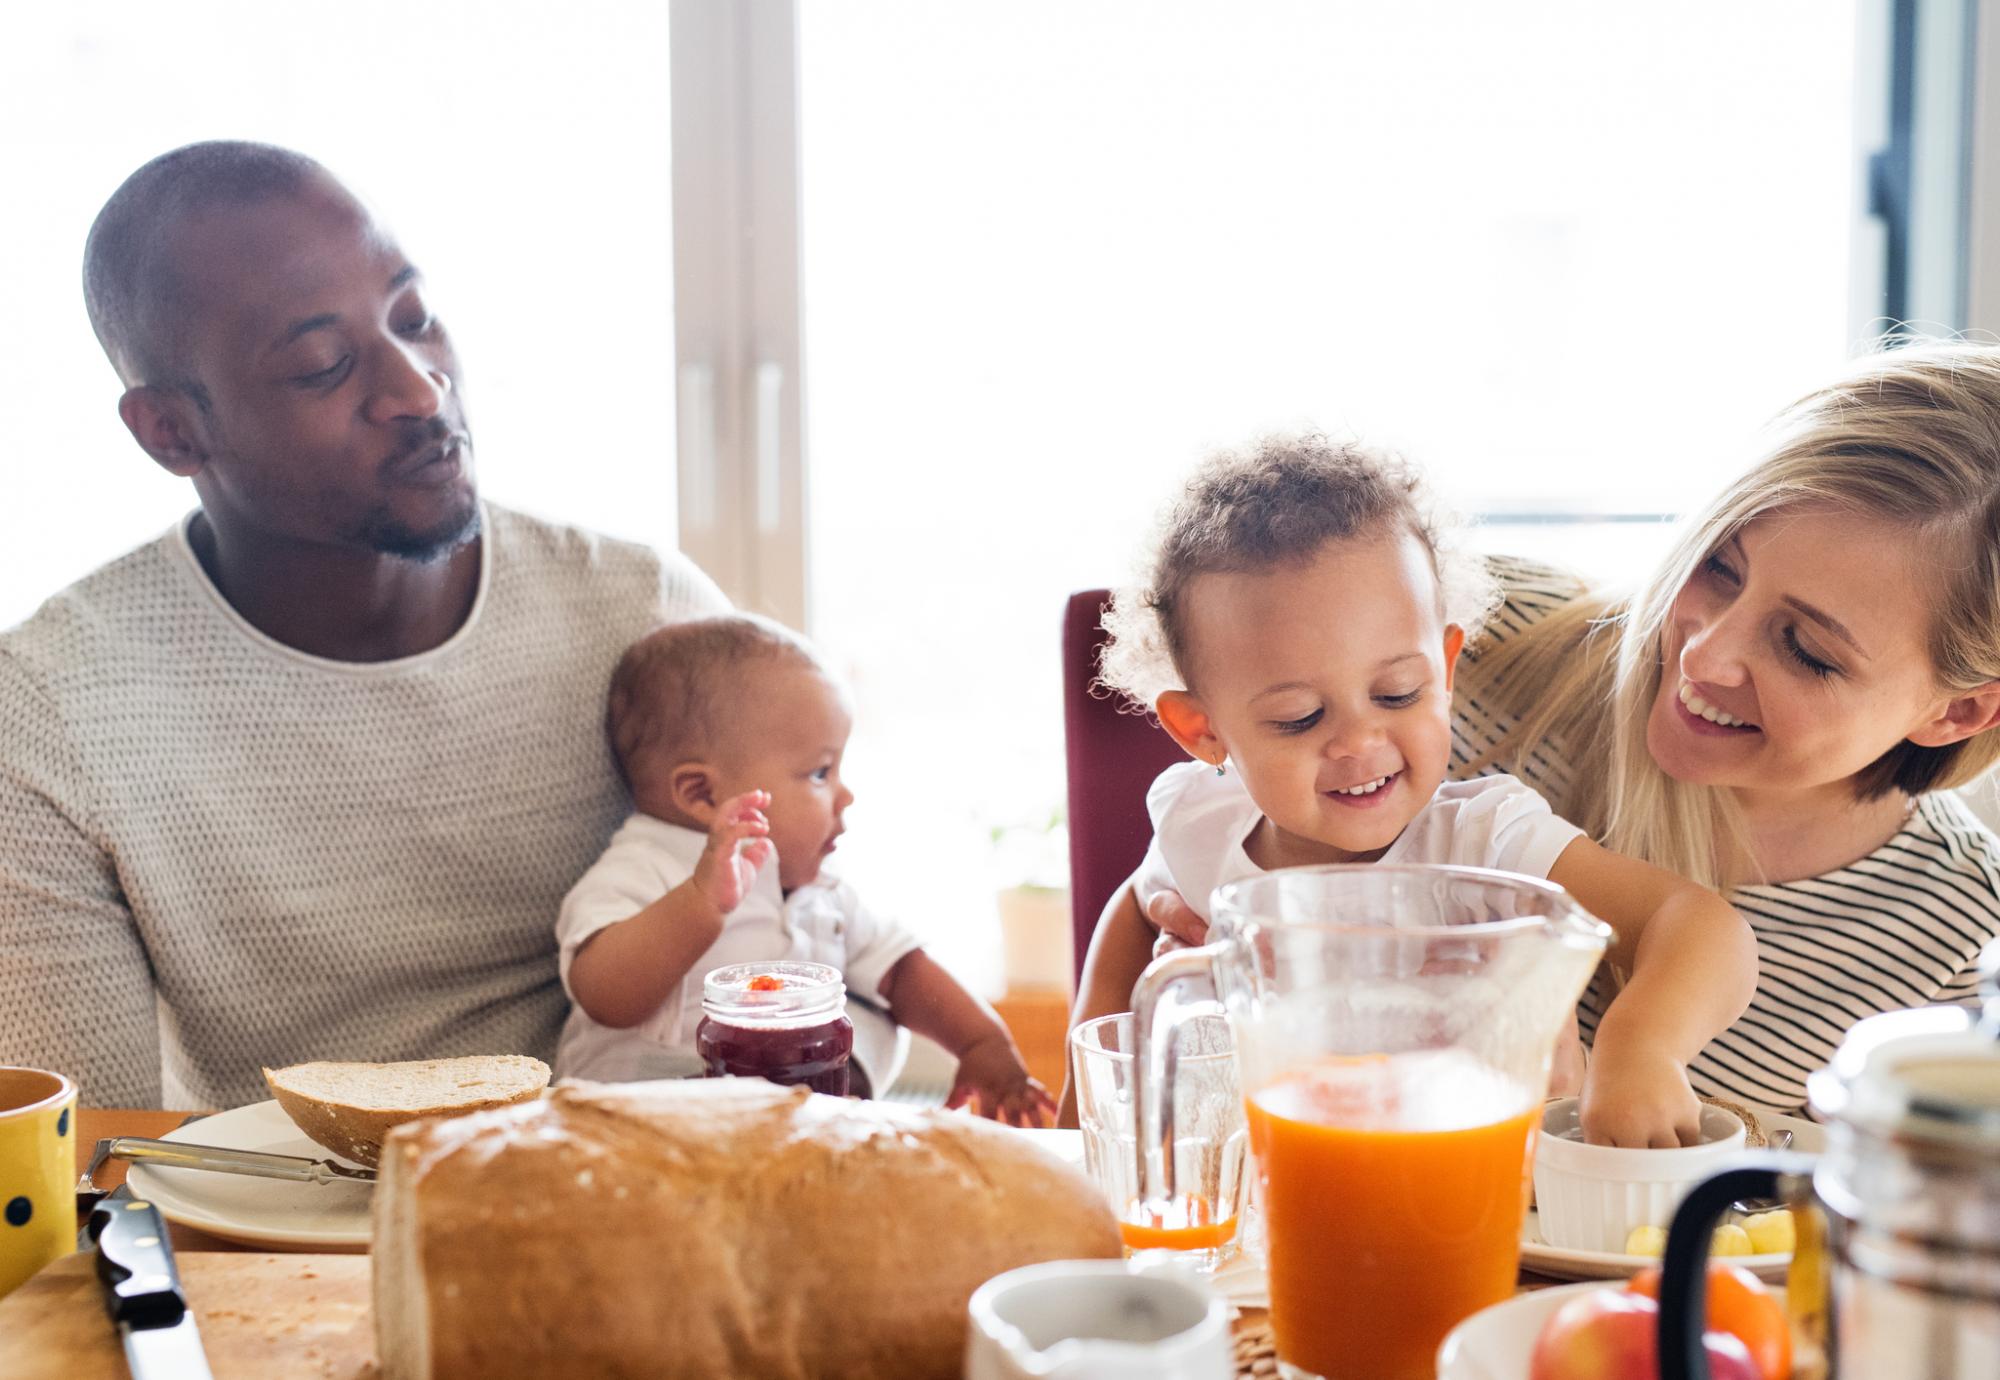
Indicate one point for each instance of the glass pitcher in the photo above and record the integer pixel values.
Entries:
(1394, 1028)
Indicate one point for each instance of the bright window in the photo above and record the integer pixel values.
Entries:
(519, 151)
(1568, 256)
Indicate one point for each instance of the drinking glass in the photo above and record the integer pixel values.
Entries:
(1211, 1137)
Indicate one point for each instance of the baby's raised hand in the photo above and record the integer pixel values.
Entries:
(738, 844)
(1638, 1096)
(993, 1080)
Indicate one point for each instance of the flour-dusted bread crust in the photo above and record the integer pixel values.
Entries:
(349, 1108)
(724, 1228)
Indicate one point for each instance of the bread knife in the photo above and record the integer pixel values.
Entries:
(142, 1290)
(174, 1154)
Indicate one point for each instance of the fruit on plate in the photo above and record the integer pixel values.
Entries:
(1729, 1239)
(1743, 1308)
(1646, 1241)
(1612, 1334)
(1772, 1233)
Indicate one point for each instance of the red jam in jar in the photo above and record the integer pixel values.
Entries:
(786, 1022)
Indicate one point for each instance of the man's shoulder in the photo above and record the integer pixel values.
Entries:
(528, 536)
(133, 598)
(558, 556)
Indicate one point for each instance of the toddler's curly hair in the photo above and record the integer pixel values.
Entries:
(1276, 503)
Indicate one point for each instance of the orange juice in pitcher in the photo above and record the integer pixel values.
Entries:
(1393, 1029)
(1403, 1177)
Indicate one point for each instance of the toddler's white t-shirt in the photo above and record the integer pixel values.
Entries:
(1201, 822)
(822, 922)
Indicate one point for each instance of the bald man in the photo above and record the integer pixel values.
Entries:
(308, 775)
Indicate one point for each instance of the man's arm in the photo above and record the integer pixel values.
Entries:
(76, 989)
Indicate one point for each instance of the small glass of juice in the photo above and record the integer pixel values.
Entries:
(1211, 1138)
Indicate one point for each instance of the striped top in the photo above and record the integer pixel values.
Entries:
(1900, 927)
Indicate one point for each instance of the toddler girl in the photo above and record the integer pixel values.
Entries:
(1297, 635)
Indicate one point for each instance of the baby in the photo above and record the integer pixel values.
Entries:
(1297, 636)
(730, 733)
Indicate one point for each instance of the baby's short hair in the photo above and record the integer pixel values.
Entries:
(668, 693)
(1274, 504)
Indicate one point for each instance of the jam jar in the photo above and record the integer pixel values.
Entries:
(786, 1022)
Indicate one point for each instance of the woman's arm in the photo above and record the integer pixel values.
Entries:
(1692, 962)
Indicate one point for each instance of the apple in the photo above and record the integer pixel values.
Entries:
(1610, 1334)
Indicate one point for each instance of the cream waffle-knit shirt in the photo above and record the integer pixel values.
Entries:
(218, 853)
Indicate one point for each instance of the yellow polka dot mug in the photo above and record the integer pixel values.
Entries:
(37, 1172)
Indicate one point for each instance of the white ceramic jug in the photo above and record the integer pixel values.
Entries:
(1097, 1320)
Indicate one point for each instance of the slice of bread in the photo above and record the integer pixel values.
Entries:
(1753, 1129)
(348, 1108)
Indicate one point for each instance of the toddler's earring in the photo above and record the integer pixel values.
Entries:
(1221, 770)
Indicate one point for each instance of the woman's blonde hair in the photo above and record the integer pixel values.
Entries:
(1274, 504)
(1911, 437)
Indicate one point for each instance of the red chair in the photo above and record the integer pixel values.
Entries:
(1113, 757)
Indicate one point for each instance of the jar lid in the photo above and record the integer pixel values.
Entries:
(778, 992)
(1930, 1074)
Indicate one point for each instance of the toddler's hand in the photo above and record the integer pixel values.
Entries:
(1179, 926)
(1636, 1095)
(993, 1080)
(728, 865)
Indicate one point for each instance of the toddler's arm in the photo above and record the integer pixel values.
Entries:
(1120, 948)
(991, 1076)
(624, 971)
(1693, 966)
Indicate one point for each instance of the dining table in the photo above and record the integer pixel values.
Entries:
(263, 1313)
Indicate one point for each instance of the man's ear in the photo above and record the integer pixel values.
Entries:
(1454, 643)
(691, 786)
(1960, 717)
(164, 425)
(1187, 723)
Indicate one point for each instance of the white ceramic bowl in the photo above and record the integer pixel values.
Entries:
(1591, 1196)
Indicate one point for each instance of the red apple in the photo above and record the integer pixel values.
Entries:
(1610, 1334)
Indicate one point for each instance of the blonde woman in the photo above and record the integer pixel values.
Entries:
(1783, 711)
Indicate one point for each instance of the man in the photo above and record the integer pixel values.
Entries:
(308, 776)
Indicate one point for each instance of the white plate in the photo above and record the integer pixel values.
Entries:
(1064, 1145)
(1808, 1137)
(1496, 1343)
(261, 1212)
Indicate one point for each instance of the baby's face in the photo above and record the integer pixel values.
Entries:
(787, 736)
(1330, 686)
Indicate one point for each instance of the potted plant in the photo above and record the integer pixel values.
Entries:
(1031, 861)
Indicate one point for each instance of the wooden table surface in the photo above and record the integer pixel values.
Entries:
(1253, 1358)
(95, 1123)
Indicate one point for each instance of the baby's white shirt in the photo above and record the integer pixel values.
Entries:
(821, 922)
(1201, 822)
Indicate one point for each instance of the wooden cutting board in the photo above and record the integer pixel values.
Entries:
(261, 1316)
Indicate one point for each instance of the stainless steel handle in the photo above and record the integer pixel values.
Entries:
(223, 1160)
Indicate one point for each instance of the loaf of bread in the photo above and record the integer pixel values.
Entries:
(348, 1108)
(707, 1228)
